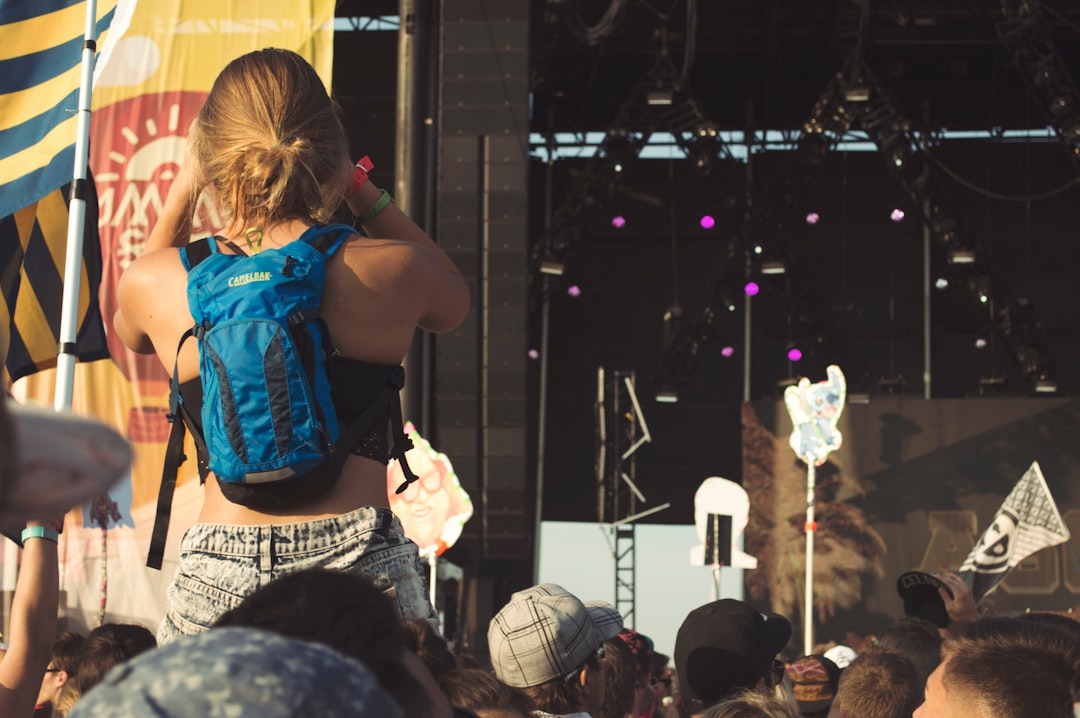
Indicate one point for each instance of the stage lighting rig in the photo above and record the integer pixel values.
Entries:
(552, 266)
(620, 147)
(1027, 36)
(570, 15)
(889, 129)
(829, 119)
(774, 266)
(705, 149)
(763, 243)
(641, 114)
(908, 160)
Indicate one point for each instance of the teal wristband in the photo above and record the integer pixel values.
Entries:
(42, 532)
(376, 209)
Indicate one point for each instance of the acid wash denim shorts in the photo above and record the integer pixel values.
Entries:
(220, 564)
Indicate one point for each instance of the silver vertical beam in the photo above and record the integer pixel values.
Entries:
(747, 251)
(414, 171)
(927, 294)
(483, 281)
(545, 333)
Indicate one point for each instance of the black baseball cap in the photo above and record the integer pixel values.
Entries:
(726, 645)
(919, 591)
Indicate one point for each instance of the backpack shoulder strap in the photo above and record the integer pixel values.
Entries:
(194, 253)
(170, 474)
(327, 238)
(402, 442)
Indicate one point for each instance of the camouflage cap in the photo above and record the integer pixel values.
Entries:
(238, 673)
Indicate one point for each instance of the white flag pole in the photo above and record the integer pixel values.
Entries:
(811, 527)
(815, 410)
(69, 318)
(433, 584)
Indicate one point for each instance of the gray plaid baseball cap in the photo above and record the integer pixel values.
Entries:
(606, 618)
(544, 632)
(238, 673)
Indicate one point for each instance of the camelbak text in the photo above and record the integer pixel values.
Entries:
(249, 277)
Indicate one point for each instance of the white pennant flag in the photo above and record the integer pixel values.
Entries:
(1027, 522)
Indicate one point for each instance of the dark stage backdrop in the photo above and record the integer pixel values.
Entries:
(913, 486)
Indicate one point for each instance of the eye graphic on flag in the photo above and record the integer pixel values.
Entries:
(995, 546)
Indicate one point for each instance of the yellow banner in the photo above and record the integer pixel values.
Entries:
(152, 83)
(182, 45)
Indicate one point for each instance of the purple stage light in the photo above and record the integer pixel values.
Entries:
(794, 354)
(534, 354)
(751, 289)
(618, 221)
(707, 221)
(727, 352)
(813, 218)
(573, 291)
(897, 215)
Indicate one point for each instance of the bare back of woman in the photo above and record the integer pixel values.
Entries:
(378, 289)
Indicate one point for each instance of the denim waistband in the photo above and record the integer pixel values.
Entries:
(284, 539)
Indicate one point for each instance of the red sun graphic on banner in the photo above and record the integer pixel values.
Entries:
(138, 147)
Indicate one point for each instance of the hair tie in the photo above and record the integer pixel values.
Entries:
(253, 235)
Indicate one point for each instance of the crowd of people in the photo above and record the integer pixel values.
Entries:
(329, 643)
(289, 603)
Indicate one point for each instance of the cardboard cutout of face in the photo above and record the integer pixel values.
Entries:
(434, 509)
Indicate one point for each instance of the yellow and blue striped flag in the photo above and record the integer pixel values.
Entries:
(33, 242)
(41, 45)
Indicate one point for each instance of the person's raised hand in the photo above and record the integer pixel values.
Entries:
(54, 521)
(961, 604)
(174, 221)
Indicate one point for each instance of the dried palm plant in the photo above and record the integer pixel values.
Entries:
(845, 547)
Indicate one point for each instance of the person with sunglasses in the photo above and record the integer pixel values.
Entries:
(62, 667)
(661, 684)
(550, 644)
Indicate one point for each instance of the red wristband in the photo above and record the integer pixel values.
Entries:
(360, 174)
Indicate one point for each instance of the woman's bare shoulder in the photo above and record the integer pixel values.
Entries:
(385, 255)
(360, 242)
(152, 267)
(157, 259)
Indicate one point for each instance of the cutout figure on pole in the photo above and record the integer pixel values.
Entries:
(815, 410)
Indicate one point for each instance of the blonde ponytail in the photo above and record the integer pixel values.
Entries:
(270, 142)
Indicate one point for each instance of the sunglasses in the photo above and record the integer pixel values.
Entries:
(775, 675)
(462, 712)
(572, 675)
(431, 482)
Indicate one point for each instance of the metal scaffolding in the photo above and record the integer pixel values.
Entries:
(618, 495)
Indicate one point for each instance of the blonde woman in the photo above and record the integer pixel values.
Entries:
(269, 145)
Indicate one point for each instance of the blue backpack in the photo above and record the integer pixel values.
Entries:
(265, 354)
